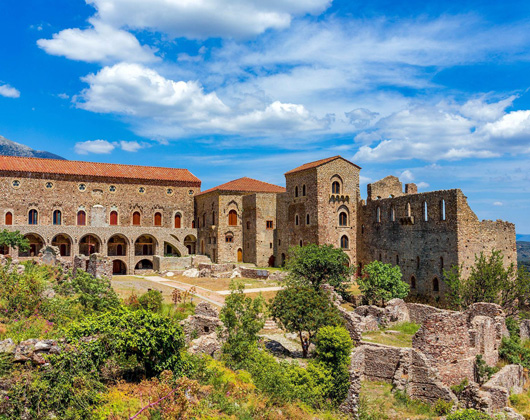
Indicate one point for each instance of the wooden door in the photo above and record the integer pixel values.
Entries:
(239, 255)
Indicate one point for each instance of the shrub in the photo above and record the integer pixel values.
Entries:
(95, 294)
(442, 408)
(382, 282)
(483, 371)
(468, 414)
(151, 301)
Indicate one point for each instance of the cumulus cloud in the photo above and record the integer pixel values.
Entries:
(130, 146)
(205, 19)
(361, 117)
(406, 176)
(9, 91)
(100, 147)
(422, 185)
(498, 203)
(101, 43)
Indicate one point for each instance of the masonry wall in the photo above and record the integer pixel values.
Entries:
(207, 222)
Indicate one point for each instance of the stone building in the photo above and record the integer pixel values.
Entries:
(132, 213)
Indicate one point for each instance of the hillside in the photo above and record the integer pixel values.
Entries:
(11, 148)
(523, 253)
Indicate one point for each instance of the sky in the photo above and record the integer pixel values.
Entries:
(436, 93)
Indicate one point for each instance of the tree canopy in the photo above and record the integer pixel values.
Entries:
(382, 282)
(13, 240)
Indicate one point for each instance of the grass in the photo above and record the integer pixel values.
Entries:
(266, 295)
(222, 284)
(378, 402)
(398, 335)
(521, 403)
(354, 289)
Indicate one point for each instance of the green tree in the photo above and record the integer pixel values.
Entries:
(151, 300)
(316, 265)
(93, 293)
(304, 310)
(489, 281)
(14, 240)
(382, 282)
(243, 318)
(333, 348)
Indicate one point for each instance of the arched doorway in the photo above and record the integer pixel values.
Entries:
(170, 250)
(239, 255)
(119, 267)
(64, 244)
(117, 246)
(89, 245)
(190, 242)
(145, 245)
(272, 261)
(36, 243)
(144, 265)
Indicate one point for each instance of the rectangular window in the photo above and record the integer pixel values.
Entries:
(270, 224)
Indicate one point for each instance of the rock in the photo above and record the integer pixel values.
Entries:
(524, 329)
(511, 414)
(7, 346)
(396, 311)
(207, 344)
(192, 273)
(44, 345)
(204, 308)
(236, 273)
(278, 275)
(277, 348)
(205, 273)
(170, 274)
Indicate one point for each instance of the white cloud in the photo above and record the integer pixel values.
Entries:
(516, 124)
(101, 43)
(422, 185)
(361, 117)
(480, 110)
(94, 146)
(498, 203)
(406, 176)
(9, 92)
(130, 146)
(206, 18)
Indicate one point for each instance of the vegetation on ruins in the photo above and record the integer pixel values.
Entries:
(316, 265)
(13, 240)
(381, 282)
(489, 281)
(304, 310)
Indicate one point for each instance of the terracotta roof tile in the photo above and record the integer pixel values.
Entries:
(247, 185)
(102, 170)
(317, 163)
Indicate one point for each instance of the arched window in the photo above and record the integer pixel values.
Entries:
(296, 191)
(435, 285)
(158, 219)
(343, 219)
(81, 218)
(378, 215)
(57, 217)
(303, 190)
(397, 259)
(442, 210)
(296, 220)
(418, 263)
(344, 242)
(425, 212)
(213, 218)
(380, 257)
(33, 217)
(413, 282)
(137, 218)
(301, 243)
(307, 219)
(335, 187)
(409, 213)
(229, 238)
(9, 218)
(178, 221)
(114, 218)
(441, 263)
(232, 218)
(193, 224)
(362, 229)
(204, 220)
(392, 214)
(248, 225)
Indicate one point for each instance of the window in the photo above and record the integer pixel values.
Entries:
(335, 187)
(270, 224)
(9, 218)
(141, 190)
(397, 259)
(409, 213)
(413, 282)
(33, 217)
(344, 242)
(190, 192)
(296, 191)
(303, 190)
(193, 224)
(380, 257)
(15, 183)
(114, 218)
(213, 218)
(362, 229)
(425, 212)
(435, 285)
(418, 263)
(82, 187)
(136, 218)
(112, 188)
(442, 210)
(158, 219)
(301, 243)
(57, 217)
(204, 220)
(229, 238)
(392, 214)
(232, 218)
(441, 263)
(49, 185)
(178, 221)
(343, 219)
(378, 215)
(248, 225)
(270, 245)
(169, 191)
(307, 219)
(81, 218)
(296, 220)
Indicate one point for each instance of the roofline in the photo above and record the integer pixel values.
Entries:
(333, 158)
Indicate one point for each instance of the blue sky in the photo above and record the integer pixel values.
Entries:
(433, 92)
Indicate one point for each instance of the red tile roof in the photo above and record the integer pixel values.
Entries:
(317, 163)
(247, 185)
(101, 170)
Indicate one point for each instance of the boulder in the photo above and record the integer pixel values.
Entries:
(7, 346)
(204, 308)
(192, 273)
(207, 344)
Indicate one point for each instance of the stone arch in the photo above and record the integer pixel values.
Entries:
(64, 243)
(144, 264)
(232, 218)
(36, 243)
(90, 244)
(190, 242)
(8, 218)
(239, 255)
(137, 218)
(81, 218)
(33, 217)
(119, 267)
(177, 220)
(171, 250)
(336, 184)
(344, 242)
(145, 245)
(117, 245)
(157, 218)
(57, 217)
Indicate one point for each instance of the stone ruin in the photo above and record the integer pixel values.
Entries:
(443, 354)
(204, 331)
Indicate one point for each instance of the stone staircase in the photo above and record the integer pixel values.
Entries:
(270, 325)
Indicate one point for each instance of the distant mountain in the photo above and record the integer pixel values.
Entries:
(525, 238)
(523, 253)
(10, 148)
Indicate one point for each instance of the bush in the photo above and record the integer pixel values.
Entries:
(442, 408)
(95, 294)
(382, 282)
(483, 371)
(468, 414)
(151, 301)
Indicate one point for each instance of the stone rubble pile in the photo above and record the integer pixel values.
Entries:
(204, 332)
